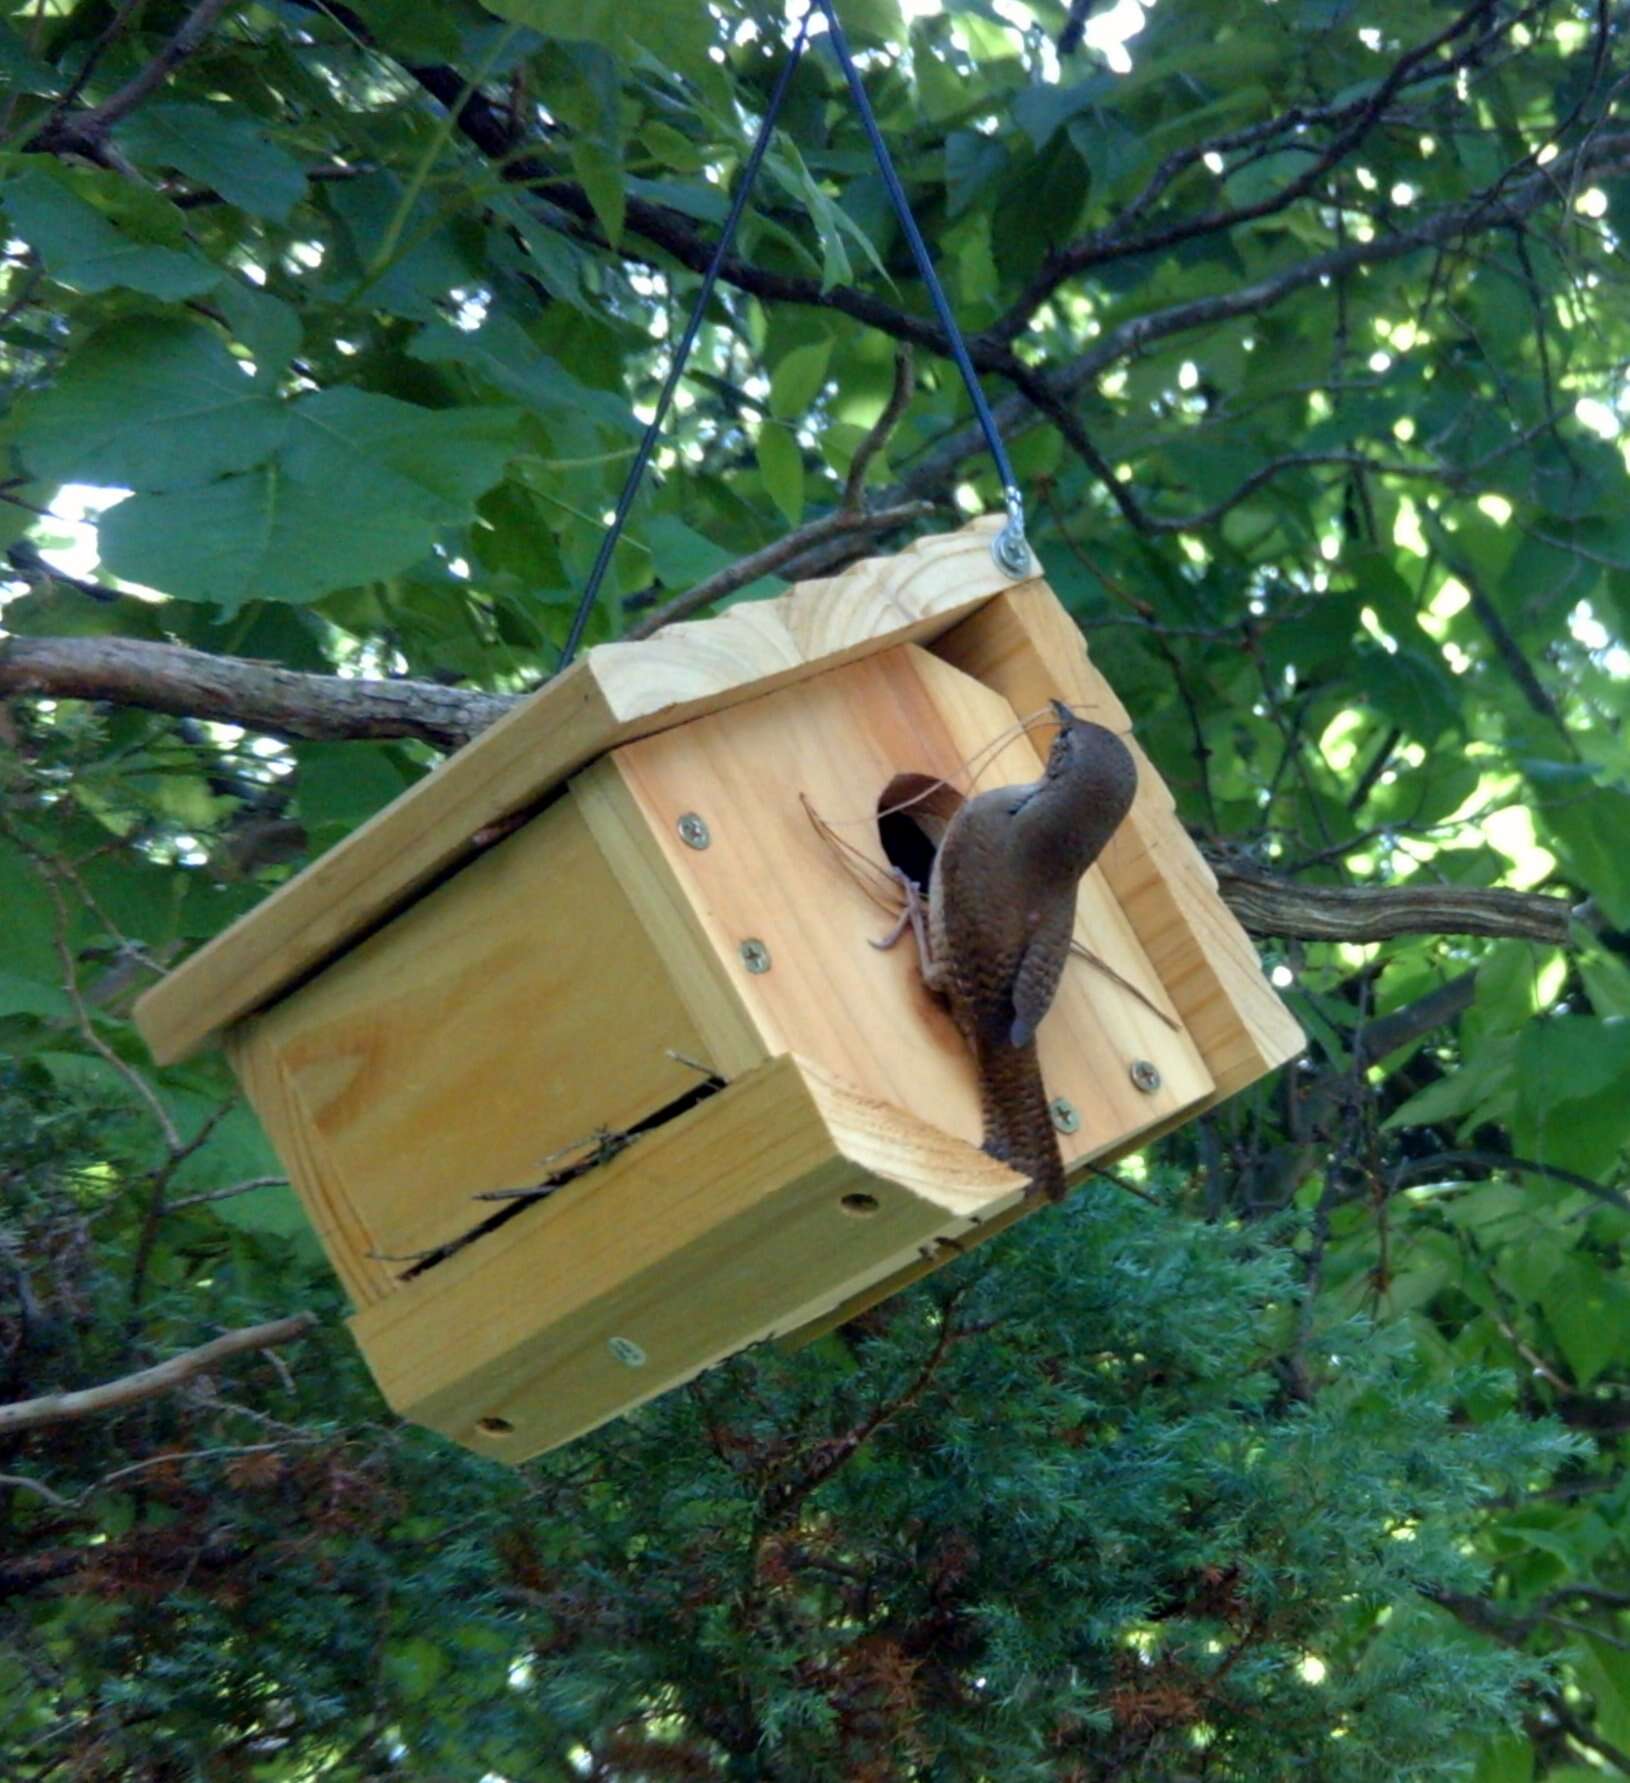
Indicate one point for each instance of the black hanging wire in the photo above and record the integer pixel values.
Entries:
(1010, 548)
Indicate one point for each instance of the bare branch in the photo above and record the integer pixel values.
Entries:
(187, 41)
(59, 1408)
(86, 132)
(905, 382)
(1268, 906)
(259, 696)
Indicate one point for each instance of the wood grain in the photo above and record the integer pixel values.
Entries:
(768, 877)
(786, 1190)
(512, 1012)
(615, 692)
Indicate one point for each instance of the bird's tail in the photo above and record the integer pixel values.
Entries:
(1018, 1125)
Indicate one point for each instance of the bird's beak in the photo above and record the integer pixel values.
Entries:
(1063, 713)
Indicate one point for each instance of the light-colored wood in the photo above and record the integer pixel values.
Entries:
(768, 876)
(692, 1244)
(1025, 645)
(340, 1229)
(510, 1013)
(616, 692)
(709, 985)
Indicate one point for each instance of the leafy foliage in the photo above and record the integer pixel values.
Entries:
(326, 332)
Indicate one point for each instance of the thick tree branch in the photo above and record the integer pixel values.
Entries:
(1268, 906)
(281, 702)
(59, 1408)
(259, 696)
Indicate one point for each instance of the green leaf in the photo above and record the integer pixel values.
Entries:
(149, 404)
(1587, 1311)
(781, 464)
(1571, 1107)
(24, 72)
(1413, 689)
(676, 36)
(358, 491)
(1607, 984)
(222, 148)
(343, 784)
(1570, 1058)
(1481, 1089)
(266, 326)
(600, 172)
(88, 248)
(503, 353)
(972, 164)
(400, 254)
(1585, 820)
(797, 380)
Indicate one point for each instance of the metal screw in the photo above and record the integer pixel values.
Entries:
(627, 1351)
(693, 832)
(755, 956)
(1065, 1116)
(1011, 552)
(1145, 1076)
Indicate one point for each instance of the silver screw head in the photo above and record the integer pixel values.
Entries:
(627, 1352)
(755, 956)
(1011, 552)
(693, 831)
(1065, 1116)
(1145, 1076)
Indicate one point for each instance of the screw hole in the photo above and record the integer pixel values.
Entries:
(860, 1204)
(495, 1426)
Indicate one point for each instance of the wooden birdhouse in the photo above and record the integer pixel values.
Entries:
(608, 952)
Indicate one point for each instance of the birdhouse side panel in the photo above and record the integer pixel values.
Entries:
(474, 1044)
(781, 1193)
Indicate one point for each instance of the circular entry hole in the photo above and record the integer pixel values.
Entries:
(495, 1426)
(860, 1204)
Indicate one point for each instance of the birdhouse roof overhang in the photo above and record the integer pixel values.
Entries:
(616, 693)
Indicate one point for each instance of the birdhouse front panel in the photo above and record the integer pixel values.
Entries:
(772, 902)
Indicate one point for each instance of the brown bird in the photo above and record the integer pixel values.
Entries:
(1001, 911)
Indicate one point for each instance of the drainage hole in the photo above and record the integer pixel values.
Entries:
(860, 1204)
(495, 1426)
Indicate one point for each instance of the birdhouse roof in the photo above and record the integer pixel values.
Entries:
(614, 694)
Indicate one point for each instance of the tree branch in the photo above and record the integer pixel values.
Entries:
(1268, 906)
(86, 132)
(257, 695)
(1015, 413)
(58, 1408)
(281, 702)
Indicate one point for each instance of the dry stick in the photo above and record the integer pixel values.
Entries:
(58, 1408)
